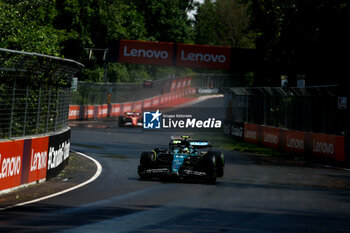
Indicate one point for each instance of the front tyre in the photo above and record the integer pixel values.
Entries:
(210, 167)
(121, 121)
(147, 161)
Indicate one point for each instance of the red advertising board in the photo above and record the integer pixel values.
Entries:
(102, 110)
(293, 141)
(138, 106)
(74, 111)
(203, 56)
(127, 107)
(189, 81)
(38, 159)
(155, 101)
(329, 146)
(11, 158)
(251, 133)
(115, 109)
(147, 103)
(179, 84)
(89, 111)
(173, 85)
(149, 53)
(271, 137)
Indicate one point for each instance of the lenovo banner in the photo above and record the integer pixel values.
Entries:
(181, 55)
(148, 53)
(322, 145)
(38, 159)
(11, 159)
(203, 56)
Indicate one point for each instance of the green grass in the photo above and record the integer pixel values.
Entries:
(222, 141)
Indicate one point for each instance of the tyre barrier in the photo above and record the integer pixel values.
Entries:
(32, 160)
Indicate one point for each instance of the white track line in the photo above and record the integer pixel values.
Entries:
(94, 177)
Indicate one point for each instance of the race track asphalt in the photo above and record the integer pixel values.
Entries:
(253, 196)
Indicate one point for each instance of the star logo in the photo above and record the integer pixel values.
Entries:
(151, 120)
(156, 115)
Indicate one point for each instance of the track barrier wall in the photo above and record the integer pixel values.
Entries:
(180, 89)
(33, 160)
(321, 145)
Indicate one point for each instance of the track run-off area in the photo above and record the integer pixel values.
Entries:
(256, 194)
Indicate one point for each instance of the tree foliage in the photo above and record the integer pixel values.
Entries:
(292, 36)
(224, 22)
(303, 37)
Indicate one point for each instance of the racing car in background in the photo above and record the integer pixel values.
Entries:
(132, 119)
(184, 158)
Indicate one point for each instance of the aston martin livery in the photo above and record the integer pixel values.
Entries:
(184, 158)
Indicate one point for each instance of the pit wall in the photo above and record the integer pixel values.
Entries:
(179, 90)
(29, 161)
(321, 145)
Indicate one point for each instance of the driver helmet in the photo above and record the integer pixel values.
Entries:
(185, 150)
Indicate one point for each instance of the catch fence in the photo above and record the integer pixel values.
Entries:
(34, 93)
(310, 109)
(89, 93)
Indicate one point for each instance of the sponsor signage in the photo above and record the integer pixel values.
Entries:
(208, 90)
(328, 146)
(31, 160)
(203, 56)
(251, 133)
(323, 145)
(115, 111)
(127, 107)
(149, 53)
(158, 120)
(271, 137)
(173, 54)
(103, 110)
(294, 141)
(11, 159)
(89, 111)
(38, 159)
(74, 112)
(237, 129)
(59, 146)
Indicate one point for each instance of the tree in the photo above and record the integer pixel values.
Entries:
(224, 22)
(303, 37)
(166, 21)
(23, 31)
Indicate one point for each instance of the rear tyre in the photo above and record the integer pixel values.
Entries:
(220, 163)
